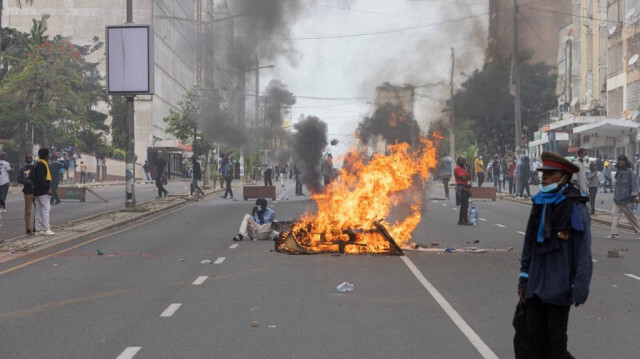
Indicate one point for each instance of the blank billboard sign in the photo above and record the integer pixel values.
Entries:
(130, 59)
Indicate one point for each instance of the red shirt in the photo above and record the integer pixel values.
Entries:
(460, 172)
(512, 168)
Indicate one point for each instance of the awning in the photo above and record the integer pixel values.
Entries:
(572, 122)
(560, 136)
(608, 128)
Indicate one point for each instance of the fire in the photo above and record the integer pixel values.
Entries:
(389, 189)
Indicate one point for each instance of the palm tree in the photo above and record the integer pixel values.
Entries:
(30, 2)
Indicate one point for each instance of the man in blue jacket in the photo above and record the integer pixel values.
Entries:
(556, 263)
(257, 225)
(625, 195)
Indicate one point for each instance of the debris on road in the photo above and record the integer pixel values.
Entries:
(449, 249)
(98, 252)
(206, 261)
(616, 253)
(345, 287)
(255, 324)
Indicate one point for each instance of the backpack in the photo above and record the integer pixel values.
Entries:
(228, 171)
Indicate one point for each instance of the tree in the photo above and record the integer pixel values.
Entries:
(3, 65)
(50, 94)
(484, 105)
(118, 121)
(182, 123)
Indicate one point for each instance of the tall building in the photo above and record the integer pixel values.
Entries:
(175, 56)
(538, 24)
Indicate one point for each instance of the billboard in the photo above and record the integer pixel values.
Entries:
(130, 59)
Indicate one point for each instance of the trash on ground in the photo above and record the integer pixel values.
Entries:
(272, 326)
(345, 287)
(435, 244)
(180, 259)
(255, 324)
(449, 249)
(98, 252)
(476, 241)
(206, 261)
(616, 253)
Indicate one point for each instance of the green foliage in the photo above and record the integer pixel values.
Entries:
(50, 88)
(118, 121)
(485, 108)
(181, 123)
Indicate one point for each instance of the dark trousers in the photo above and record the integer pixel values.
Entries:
(608, 180)
(267, 177)
(525, 185)
(4, 190)
(547, 327)
(511, 185)
(82, 177)
(228, 188)
(161, 189)
(592, 198)
(462, 198)
(445, 182)
(480, 179)
(298, 186)
(54, 193)
(496, 182)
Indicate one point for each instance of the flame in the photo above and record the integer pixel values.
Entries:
(387, 188)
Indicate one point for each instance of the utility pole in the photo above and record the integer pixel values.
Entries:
(257, 113)
(452, 133)
(130, 175)
(198, 71)
(516, 75)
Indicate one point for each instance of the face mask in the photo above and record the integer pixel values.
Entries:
(548, 188)
(259, 208)
(29, 163)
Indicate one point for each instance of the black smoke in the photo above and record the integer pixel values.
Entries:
(393, 123)
(308, 142)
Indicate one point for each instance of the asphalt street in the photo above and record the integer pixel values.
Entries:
(67, 210)
(149, 296)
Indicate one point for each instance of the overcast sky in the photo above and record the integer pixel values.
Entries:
(399, 41)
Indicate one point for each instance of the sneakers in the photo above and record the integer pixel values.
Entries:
(28, 233)
(48, 232)
(613, 236)
(238, 238)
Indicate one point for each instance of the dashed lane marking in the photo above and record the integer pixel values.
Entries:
(500, 225)
(520, 232)
(632, 276)
(129, 353)
(200, 280)
(594, 261)
(171, 310)
(444, 204)
(454, 209)
(219, 260)
(234, 246)
(471, 335)
(483, 219)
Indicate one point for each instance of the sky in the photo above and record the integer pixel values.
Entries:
(343, 49)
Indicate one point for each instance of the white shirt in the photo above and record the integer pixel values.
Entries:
(5, 167)
(581, 177)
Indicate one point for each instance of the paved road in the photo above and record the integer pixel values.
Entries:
(78, 305)
(68, 210)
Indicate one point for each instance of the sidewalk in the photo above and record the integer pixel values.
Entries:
(22, 245)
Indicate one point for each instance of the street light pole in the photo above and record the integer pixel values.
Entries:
(130, 174)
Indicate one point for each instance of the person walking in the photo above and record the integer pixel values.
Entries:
(626, 194)
(606, 172)
(228, 177)
(479, 169)
(56, 167)
(592, 184)
(5, 168)
(524, 175)
(495, 169)
(580, 178)
(510, 174)
(147, 171)
(197, 176)
(27, 190)
(298, 176)
(160, 177)
(41, 177)
(463, 190)
(556, 264)
(268, 173)
(444, 172)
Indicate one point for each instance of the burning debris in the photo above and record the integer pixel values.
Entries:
(373, 208)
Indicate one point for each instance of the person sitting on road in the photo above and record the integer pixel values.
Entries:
(257, 225)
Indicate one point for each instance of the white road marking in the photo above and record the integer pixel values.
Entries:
(454, 209)
(200, 280)
(129, 353)
(520, 232)
(219, 260)
(436, 201)
(500, 225)
(632, 276)
(471, 335)
(444, 204)
(483, 219)
(594, 261)
(171, 309)
(234, 246)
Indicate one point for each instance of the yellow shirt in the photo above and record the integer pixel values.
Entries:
(479, 166)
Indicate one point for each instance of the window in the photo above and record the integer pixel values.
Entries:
(614, 60)
(632, 11)
(633, 95)
(633, 48)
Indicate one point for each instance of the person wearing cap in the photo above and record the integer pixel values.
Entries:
(625, 195)
(556, 264)
(463, 190)
(257, 225)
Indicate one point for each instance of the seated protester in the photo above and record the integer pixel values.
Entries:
(257, 225)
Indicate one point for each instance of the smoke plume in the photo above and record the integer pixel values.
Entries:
(308, 142)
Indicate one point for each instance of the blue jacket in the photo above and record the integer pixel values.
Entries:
(626, 187)
(561, 276)
(268, 216)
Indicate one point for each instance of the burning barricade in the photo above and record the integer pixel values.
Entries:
(373, 208)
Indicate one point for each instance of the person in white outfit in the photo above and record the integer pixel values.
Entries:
(40, 176)
(257, 225)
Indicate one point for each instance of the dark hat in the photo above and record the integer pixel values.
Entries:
(554, 162)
